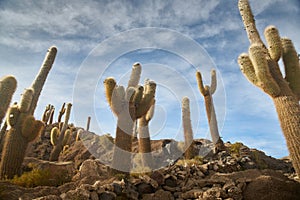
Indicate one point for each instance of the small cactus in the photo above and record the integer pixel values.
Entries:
(60, 136)
(207, 93)
(187, 129)
(128, 105)
(261, 68)
(48, 114)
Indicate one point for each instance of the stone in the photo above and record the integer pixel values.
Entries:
(107, 196)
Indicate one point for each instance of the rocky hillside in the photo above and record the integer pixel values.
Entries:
(236, 173)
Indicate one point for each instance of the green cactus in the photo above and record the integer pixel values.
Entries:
(8, 85)
(128, 105)
(23, 129)
(207, 93)
(262, 69)
(60, 136)
(187, 129)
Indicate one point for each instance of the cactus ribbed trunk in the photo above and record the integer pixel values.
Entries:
(187, 129)
(144, 142)
(11, 159)
(212, 119)
(121, 162)
(288, 110)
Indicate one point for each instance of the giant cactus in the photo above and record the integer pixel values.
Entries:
(23, 127)
(187, 129)
(207, 93)
(128, 105)
(60, 136)
(261, 68)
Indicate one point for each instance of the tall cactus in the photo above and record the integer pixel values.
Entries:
(187, 129)
(128, 105)
(144, 137)
(207, 93)
(60, 136)
(261, 68)
(23, 127)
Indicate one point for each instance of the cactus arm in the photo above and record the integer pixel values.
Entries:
(274, 42)
(135, 75)
(26, 100)
(67, 117)
(54, 136)
(118, 100)
(39, 81)
(187, 129)
(109, 84)
(247, 68)
(213, 84)
(61, 112)
(260, 64)
(291, 66)
(8, 85)
(67, 137)
(38, 127)
(150, 113)
(249, 22)
(147, 100)
(200, 83)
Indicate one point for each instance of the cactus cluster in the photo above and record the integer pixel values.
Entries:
(23, 126)
(207, 92)
(60, 136)
(128, 105)
(260, 66)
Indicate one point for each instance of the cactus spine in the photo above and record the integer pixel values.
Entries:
(207, 93)
(187, 129)
(60, 137)
(144, 138)
(128, 105)
(262, 69)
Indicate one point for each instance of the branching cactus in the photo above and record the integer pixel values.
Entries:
(48, 114)
(60, 136)
(23, 127)
(207, 92)
(144, 138)
(61, 112)
(187, 129)
(261, 68)
(8, 85)
(128, 105)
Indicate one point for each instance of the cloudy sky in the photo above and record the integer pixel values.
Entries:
(170, 38)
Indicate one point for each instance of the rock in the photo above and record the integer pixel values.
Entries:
(272, 187)
(144, 188)
(49, 197)
(158, 177)
(159, 195)
(78, 193)
(192, 194)
(107, 196)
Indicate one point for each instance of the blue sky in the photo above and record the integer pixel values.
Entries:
(171, 39)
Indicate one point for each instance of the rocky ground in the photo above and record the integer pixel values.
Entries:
(237, 173)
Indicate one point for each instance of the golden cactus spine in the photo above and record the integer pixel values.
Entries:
(207, 92)
(23, 129)
(60, 136)
(8, 85)
(187, 129)
(261, 68)
(128, 105)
